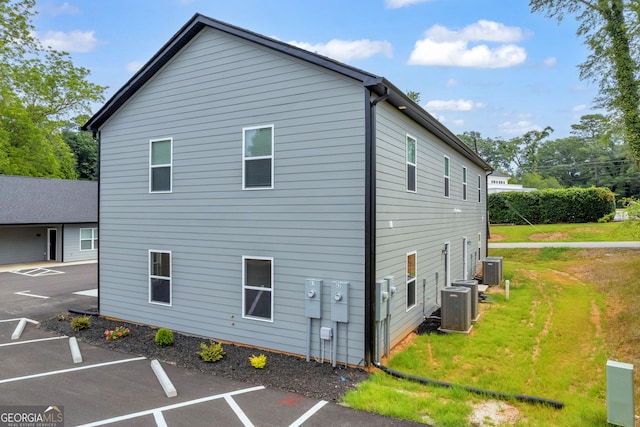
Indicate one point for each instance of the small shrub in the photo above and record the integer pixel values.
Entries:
(258, 362)
(212, 352)
(119, 332)
(80, 323)
(62, 316)
(164, 337)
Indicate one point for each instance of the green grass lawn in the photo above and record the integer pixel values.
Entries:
(592, 232)
(551, 339)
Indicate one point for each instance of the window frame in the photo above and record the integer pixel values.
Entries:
(93, 239)
(245, 287)
(447, 177)
(163, 165)
(409, 280)
(464, 183)
(245, 158)
(409, 164)
(479, 189)
(168, 278)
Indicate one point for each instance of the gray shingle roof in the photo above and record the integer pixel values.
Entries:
(29, 200)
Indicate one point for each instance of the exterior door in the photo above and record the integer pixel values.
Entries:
(52, 244)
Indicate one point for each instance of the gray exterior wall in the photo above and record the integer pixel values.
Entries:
(71, 248)
(23, 244)
(311, 223)
(425, 220)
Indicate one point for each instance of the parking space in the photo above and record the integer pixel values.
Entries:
(112, 388)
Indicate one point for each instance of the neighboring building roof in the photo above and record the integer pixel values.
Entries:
(30, 200)
(374, 83)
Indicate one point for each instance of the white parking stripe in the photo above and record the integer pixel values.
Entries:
(170, 407)
(28, 294)
(19, 318)
(160, 421)
(64, 371)
(309, 413)
(30, 341)
(238, 411)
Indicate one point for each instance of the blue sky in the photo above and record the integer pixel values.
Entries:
(479, 65)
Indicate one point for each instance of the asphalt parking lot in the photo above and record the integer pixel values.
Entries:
(112, 388)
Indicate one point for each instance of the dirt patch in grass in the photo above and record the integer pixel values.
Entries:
(492, 413)
(548, 237)
(495, 237)
(589, 230)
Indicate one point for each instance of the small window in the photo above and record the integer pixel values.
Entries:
(411, 280)
(88, 239)
(446, 176)
(257, 288)
(257, 157)
(160, 164)
(464, 183)
(479, 189)
(411, 164)
(160, 277)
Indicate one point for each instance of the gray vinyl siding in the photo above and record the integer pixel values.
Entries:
(71, 248)
(311, 223)
(422, 221)
(23, 244)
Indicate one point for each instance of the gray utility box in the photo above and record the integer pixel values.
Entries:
(473, 287)
(456, 309)
(492, 271)
(620, 404)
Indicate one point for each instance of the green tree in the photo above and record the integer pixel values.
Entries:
(535, 180)
(414, 96)
(609, 28)
(85, 150)
(40, 89)
(527, 155)
(498, 153)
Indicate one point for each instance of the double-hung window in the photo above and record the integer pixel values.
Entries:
(160, 277)
(479, 189)
(412, 173)
(160, 165)
(88, 239)
(257, 157)
(446, 176)
(464, 183)
(257, 288)
(411, 280)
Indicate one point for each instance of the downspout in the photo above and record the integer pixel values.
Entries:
(486, 210)
(96, 134)
(370, 223)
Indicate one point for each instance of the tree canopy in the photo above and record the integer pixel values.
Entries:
(41, 91)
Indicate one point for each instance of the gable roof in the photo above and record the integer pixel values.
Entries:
(374, 83)
(30, 200)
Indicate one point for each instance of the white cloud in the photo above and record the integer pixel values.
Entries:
(65, 9)
(518, 128)
(452, 83)
(578, 108)
(444, 47)
(75, 41)
(134, 66)
(344, 50)
(395, 4)
(452, 105)
(550, 61)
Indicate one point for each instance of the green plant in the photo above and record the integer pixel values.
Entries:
(258, 362)
(119, 332)
(212, 352)
(62, 316)
(80, 323)
(164, 337)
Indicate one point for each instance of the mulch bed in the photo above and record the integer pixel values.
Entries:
(282, 372)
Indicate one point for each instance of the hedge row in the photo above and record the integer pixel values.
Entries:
(551, 206)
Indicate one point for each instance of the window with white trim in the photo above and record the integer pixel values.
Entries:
(88, 239)
(412, 170)
(411, 279)
(464, 183)
(446, 176)
(257, 288)
(479, 189)
(160, 165)
(160, 290)
(257, 157)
